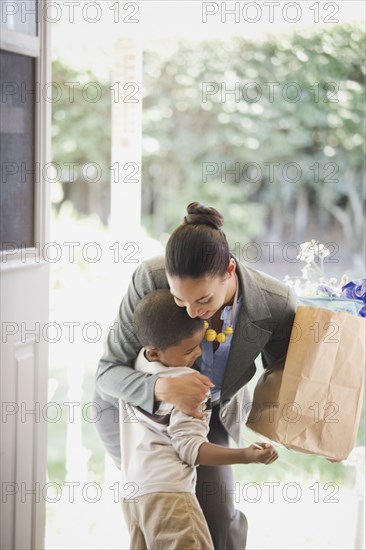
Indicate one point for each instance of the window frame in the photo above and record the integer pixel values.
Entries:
(37, 47)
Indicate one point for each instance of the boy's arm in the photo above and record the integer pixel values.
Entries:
(189, 439)
(210, 454)
(187, 434)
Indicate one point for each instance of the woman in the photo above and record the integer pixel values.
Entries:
(248, 313)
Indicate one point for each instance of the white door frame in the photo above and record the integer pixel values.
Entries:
(24, 351)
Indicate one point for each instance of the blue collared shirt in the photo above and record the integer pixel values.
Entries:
(213, 364)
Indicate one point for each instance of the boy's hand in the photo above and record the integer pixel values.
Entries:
(188, 392)
(265, 455)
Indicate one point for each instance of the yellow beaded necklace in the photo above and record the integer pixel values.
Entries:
(211, 335)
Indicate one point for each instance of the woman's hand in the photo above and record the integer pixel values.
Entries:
(187, 392)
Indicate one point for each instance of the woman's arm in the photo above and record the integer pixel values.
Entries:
(116, 376)
(186, 392)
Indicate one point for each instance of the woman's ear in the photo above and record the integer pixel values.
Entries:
(231, 267)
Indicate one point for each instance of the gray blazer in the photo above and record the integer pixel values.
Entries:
(263, 326)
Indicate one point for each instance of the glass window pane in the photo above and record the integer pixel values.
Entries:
(19, 15)
(17, 148)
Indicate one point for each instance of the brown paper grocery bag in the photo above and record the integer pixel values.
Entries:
(314, 404)
(263, 414)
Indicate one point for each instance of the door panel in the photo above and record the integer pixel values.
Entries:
(24, 289)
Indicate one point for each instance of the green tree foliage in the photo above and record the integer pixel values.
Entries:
(81, 130)
(291, 135)
(299, 100)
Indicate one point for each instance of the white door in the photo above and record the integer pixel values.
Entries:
(24, 129)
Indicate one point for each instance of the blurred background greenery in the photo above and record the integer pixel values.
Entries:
(322, 132)
(258, 133)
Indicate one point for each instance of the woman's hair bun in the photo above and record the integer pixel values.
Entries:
(198, 213)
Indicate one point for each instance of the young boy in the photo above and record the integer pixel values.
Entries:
(160, 451)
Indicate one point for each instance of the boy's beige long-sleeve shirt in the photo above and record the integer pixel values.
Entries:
(159, 450)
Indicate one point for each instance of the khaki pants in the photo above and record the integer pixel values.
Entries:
(228, 527)
(166, 521)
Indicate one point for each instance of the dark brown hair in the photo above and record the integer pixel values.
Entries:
(160, 323)
(198, 246)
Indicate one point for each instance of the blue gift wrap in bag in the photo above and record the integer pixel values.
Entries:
(333, 303)
(356, 290)
(351, 299)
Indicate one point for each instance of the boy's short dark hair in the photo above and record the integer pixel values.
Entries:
(160, 323)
